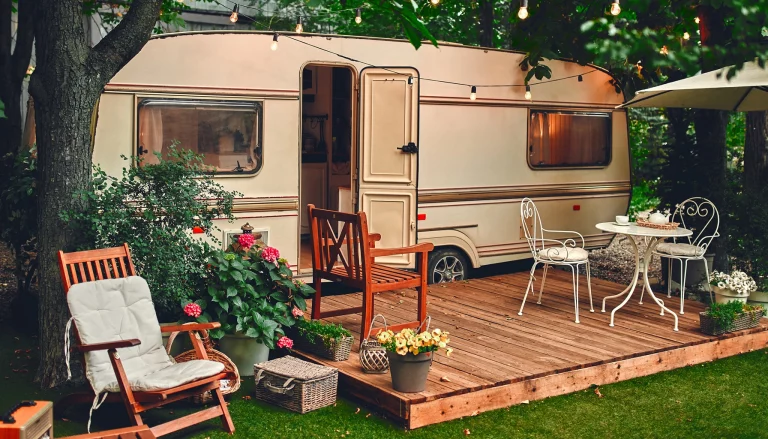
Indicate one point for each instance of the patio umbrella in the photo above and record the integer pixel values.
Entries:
(747, 91)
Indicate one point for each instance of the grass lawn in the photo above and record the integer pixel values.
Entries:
(723, 399)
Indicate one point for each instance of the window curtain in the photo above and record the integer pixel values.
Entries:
(151, 132)
(253, 155)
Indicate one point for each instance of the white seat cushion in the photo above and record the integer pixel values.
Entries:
(122, 309)
(679, 249)
(564, 254)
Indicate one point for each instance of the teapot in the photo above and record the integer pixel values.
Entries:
(658, 218)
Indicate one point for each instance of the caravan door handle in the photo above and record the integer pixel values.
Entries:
(410, 148)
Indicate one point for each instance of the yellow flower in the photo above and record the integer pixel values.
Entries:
(416, 342)
(441, 344)
(448, 352)
(400, 342)
(402, 350)
(414, 350)
(426, 336)
(436, 332)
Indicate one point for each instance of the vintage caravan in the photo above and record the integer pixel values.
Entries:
(376, 125)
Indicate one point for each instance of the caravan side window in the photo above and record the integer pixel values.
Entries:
(560, 139)
(226, 133)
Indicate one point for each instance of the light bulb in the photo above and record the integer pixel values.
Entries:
(235, 11)
(273, 46)
(686, 36)
(528, 92)
(473, 93)
(299, 26)
(523, 11)
(358, 16)
(581, 78)
(696, 20)
(434, 2)
(615, 8)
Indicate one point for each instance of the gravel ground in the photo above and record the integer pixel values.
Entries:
(616, 263)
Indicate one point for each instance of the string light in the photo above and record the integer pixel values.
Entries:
(434, 2)
(273, 46)
(235, 12)
(358, 16)
(697, 20)
(581, 78)
(522, 13)
(686, 36)
(299, 26)
(615, 8)
(473, 93)
(528, 92)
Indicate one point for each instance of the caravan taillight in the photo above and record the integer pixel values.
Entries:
(421, 216)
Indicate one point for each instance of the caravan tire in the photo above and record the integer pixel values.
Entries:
(447, 265)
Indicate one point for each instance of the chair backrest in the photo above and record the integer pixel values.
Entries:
(90, 265)
(340, 240)
(700, 215)
(530, 221)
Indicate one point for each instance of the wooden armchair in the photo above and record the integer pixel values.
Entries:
(118, 294)
(343, 251)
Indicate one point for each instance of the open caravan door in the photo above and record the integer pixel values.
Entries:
(389, 133)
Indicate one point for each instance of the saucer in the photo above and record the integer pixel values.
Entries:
(622, 225)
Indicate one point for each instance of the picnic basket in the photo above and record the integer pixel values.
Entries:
(296, 385)
(373, 356)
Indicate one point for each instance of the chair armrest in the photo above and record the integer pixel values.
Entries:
(418, 248)
(109, 345)
(190, 327)
(373, 238)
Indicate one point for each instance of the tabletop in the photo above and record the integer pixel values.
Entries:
(634, 229)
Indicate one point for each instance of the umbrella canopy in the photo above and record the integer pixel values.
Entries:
(747, 91)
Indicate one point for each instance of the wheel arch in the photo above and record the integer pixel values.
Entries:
(454, 239)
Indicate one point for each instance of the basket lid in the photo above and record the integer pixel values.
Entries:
(293, 367)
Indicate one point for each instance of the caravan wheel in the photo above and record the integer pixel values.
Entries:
(447, 265)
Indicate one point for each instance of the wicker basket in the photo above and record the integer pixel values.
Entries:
(666, 226)
(295, 384)
(743, 321)
(335, 350)
(227, 386)
(373, 357)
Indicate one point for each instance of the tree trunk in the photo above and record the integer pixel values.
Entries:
(756, 151)
(66, 85)
(486, 23)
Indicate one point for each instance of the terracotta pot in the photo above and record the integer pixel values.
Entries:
(244, 352)
(725, 295)
(409, 372)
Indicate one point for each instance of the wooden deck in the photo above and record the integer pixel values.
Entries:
(502, 359)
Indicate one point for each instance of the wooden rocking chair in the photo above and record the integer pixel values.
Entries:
(93, 315)
(343, 251)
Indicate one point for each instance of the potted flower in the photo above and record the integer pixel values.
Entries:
(320, 338)
(729, 287)
(410, 356)
(720, 318)
(251, 292)
(760, 295)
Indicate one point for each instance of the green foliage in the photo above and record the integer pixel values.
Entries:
(153, 208)
(2, 109)
(18, 213)
(250, 294)
(724, 314)
(328, 332)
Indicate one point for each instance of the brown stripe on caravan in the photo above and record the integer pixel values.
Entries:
(223, 91)
(266, 205)
(503, 193)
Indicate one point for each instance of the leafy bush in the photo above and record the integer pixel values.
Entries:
(724, 314)
(153, 208)
(328, 332)
(250, 290)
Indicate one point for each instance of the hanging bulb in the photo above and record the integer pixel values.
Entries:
(235, 11)
(696, 20)
(528, 92)
(358, 16)
(434, 2)
(273, 46)
(299, 26)
(522, 13)
(581, 78)
(686, 36)
(615, 8)
(473, 93)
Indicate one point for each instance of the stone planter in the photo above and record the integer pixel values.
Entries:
(759, 298)
(725, 295)
(243, 351)
(409, 372)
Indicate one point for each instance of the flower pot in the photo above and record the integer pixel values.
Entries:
(725, 295)
(334, 350)
(759, 298)
(244, 352)
(409, 372)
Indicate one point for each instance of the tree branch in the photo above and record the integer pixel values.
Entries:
(126, 39)
(25, 37)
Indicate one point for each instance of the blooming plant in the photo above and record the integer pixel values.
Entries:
(285, 342)
(409, 341)
(327, 332)
(738, 282)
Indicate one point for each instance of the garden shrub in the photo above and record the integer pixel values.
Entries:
(153, 208)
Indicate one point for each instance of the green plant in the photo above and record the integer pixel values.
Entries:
(250, 290)
(153, 208)
(724, 314)
(328, 332)
(409, 341)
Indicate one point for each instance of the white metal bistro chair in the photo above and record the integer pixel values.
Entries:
(547, 251)
(701, 216)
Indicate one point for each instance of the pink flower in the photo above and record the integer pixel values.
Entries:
(285, 342)
(297, 312)
(193, 310)
(270, 254)
(245, 240)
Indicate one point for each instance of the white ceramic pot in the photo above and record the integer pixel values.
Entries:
(658, 218)
(244, 352)
(725, 295)
(759, 298)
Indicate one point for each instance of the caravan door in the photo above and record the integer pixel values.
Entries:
(388, 161)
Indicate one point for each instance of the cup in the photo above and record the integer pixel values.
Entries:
(622, 219)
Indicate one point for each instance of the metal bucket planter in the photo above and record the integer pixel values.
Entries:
(409, 372)
(725, 295)
(244, 351)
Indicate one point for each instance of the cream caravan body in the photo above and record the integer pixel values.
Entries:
(301, 125)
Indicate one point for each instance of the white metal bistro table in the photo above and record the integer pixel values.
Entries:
(653, 236)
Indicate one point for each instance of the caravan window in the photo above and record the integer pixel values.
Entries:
(569, 139)
(226, 133)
